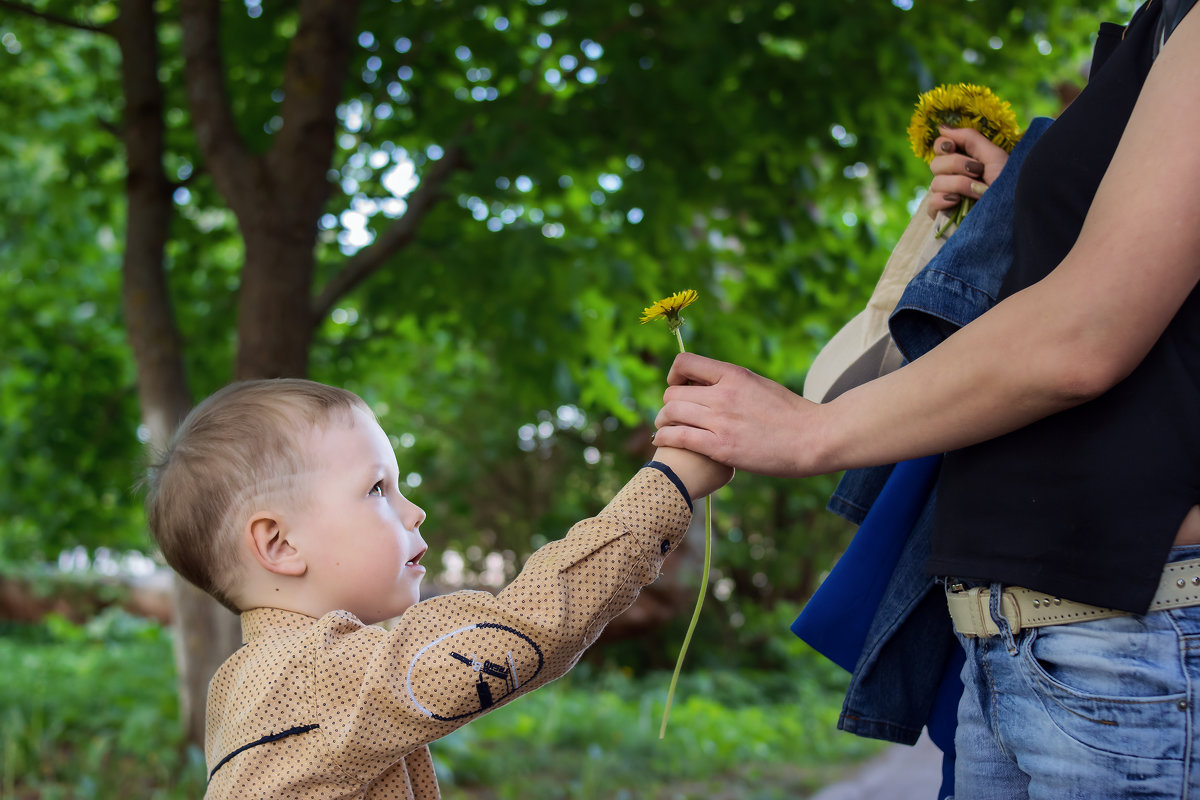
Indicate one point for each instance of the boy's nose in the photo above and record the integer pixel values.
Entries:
(411, 514)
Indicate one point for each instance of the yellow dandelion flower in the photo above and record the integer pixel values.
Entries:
(669, 307)
(963, 105)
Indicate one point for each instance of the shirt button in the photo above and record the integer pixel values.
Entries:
(664, 547)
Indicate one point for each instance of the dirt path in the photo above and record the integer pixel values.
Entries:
(898, 773)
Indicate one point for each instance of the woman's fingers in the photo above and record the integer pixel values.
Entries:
(731, 415)
(960, 185)
(677, 428)
(978, 148)
(947, 191)
(957, 164)
(966, 164)
(689, 368)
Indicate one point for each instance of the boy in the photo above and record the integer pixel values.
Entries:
(281, 499)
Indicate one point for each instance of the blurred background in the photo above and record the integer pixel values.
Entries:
(457, 210)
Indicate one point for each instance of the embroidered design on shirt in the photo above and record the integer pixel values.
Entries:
(480, 664)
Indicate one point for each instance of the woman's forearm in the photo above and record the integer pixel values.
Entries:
(1062, 341)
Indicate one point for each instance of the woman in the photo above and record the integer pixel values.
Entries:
(1070, 415)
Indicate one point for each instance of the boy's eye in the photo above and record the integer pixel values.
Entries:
(376, 490)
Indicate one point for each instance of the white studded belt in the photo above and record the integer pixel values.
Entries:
(1179, 587)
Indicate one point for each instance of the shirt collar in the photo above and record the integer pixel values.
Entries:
(258, 622)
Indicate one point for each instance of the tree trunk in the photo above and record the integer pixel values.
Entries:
(205, 635)
(275, 324)
(277, 197)
(205, 632)
(157, 349)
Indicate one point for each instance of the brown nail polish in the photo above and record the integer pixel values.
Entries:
(947, 147)
(951, 198)
(975, 168)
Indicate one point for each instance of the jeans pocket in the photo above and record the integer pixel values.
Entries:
(1114, 685)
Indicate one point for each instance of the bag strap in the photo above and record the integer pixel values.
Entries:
(1173, 13)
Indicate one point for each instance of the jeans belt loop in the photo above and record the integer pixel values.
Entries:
(1179, 587)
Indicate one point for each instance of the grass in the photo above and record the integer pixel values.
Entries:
(743, 735)
(90, 712)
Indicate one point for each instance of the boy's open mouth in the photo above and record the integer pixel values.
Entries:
(415, 560)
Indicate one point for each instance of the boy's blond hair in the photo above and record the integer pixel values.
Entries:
(239, 447)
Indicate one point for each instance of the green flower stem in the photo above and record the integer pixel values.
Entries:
(662, 731)
(956, 218)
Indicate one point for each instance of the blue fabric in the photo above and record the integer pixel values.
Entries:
(878, 614)
(857, 490)
(868, 564)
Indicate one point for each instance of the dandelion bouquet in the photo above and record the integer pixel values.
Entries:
(962, 105)
(668, 308)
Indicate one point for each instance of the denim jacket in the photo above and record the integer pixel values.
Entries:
(905, 658)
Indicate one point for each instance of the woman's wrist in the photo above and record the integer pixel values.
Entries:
(819, 454)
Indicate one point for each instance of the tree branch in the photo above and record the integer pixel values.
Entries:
(233, 168)
(149, 323)
(21, 8)
(399, 234)
(313, 80)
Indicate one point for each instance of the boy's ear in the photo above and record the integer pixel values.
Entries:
(271, 548)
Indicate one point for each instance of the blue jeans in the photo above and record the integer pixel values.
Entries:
(1090, 710)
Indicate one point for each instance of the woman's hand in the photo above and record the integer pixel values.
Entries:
(968, 164)
(737, 417)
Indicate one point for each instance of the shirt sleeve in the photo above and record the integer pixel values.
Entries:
(456, 656)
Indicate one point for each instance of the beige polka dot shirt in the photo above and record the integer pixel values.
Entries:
(333, 708)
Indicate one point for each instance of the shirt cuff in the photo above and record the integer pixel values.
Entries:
(670, 473)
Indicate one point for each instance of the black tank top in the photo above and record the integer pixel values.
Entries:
(1085, 503)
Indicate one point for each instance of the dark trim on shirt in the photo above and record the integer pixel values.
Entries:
(670, 473)
(274, 737)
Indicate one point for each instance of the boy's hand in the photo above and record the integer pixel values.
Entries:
(700, 474)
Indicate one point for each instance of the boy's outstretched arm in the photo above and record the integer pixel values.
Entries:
(373, 696)
(453, 657)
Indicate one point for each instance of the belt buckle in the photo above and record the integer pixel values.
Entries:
(969, 609)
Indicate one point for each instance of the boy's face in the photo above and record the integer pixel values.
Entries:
(359, 535)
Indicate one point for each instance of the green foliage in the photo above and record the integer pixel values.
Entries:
(91, 712)
(68, 410)
(616, 153)
(597, 736)
(734, 732)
